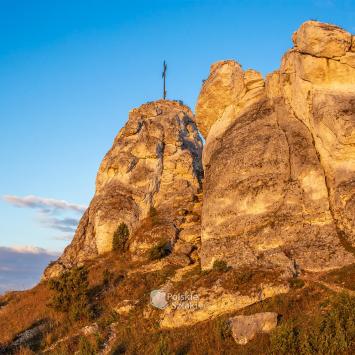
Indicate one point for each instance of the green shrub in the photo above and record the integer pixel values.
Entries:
(220, 265)
(160, 250)
(120, 238)
(107, 278)
(162, 347)
(153, 214)
(86, 347)
(296, 283)
(331, 333)
(224, 329)
(243, 276)
(119, 349)
(183, 349)
(285, 340)
(71, 293)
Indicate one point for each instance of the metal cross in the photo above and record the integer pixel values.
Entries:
(164, 77)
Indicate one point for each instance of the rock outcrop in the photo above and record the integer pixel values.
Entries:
(213, 302)
(279, 157)
(245, 328)
(279, 163)
(317, 81)
(155, 162)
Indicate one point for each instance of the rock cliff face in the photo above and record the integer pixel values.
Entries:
(317, 81)
(268, 205)
(279, 163)
(279, 157)
(155, 161)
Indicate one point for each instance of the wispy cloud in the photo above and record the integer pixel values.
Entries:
(21, 266)
(51, 213)
(65, 237)
(27, 249)
(43, 204)
(66, 225)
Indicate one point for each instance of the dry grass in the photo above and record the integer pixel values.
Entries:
(243, 280)
(344, 277)
(22, 310)
(139, 334)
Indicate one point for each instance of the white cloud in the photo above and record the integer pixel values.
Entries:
(43, 204)
(27, 249)
(50, 211)
(21, 266)
(67, 225)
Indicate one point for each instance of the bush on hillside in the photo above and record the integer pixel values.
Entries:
(120, 238)
(160, 250)
(71, 293)
(153, 214)
(220, 265)
(331, 333)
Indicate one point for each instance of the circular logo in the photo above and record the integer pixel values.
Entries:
(158, 299)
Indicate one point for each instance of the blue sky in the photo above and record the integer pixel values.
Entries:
(71, 70)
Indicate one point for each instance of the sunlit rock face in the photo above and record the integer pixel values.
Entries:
(155, 161)
(279, 165)
(317, 80)
(279, 157)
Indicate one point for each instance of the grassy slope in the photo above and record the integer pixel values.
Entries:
(136, 334)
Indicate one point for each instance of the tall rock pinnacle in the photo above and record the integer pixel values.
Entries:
(155, 161)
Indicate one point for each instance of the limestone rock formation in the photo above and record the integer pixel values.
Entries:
(222, 87)
(322, 40)
(279, 157)
(319, 88)
(245, 328)
(279, 163)
(213, 302)
(155, 161)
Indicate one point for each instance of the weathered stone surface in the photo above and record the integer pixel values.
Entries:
(321, 94)
(279, 179)
(279, 164)
(349, 59)
(322, 39)
(245, 328)
(223, 86)
(211, 303)
(155, 161)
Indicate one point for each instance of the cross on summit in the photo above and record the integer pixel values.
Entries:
(163, 75)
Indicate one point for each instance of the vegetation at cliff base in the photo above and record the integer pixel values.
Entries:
(332, 332)
(160, 250)
(71, 293)
(220, 265)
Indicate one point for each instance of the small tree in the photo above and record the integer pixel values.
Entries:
(71, 293)
(120, 238)
(220, 265)
(153, 214)
(160, 250)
